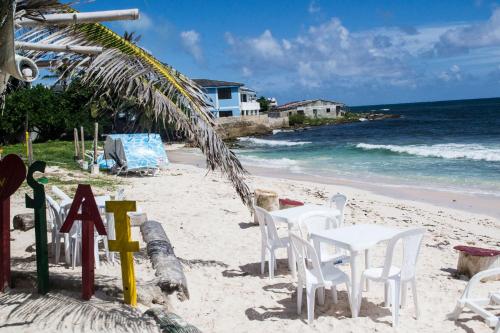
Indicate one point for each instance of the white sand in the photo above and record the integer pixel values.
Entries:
(213, 232)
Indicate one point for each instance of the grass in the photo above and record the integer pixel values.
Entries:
(61, 154)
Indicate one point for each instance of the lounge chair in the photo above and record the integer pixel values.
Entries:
(477, 305)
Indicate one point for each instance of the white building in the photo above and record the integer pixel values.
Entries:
(248, 102)
(318, 108)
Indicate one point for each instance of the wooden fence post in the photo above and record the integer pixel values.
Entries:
(125, 246)
(90, 218)
(12, 175)
(82, 153)
(38, 204)
(75, 139)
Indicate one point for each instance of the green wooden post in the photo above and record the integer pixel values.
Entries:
(38, 204)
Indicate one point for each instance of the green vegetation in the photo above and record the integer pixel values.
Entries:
(51, 114)
(60, 154)
(264, 104)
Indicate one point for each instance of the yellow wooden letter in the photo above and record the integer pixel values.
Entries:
(124, 245)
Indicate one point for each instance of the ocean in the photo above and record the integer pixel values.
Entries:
(449, 145)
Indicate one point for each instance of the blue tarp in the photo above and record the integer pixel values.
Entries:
(142, 151)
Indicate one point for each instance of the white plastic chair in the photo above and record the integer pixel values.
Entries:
(318, 221)
(339, 202)
(477, 305)
(396, 278)
(312, 275)
(55, 213)
(270, 240)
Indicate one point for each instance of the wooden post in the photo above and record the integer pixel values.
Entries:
(90, 218)
(82, 153)
(30, 150)
(125, 246)
(96, 133)
(12, 174)
(75, 138)
(38, 204)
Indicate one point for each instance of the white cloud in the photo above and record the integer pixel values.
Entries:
(330, 56)
(247, 72)
(191, 42)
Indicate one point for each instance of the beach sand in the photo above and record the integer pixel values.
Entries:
(219, 245)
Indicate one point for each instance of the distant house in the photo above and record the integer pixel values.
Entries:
(230, 99)
(317, 108)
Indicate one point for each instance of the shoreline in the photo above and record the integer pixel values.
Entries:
(486, 205)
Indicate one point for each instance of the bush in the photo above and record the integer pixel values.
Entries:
(53, 115)
(296, 119)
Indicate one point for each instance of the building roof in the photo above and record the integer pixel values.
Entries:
(205, 83)
(298, 104)
(245, 89)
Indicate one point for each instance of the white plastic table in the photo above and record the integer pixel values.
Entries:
(355, 239)
(291, 216)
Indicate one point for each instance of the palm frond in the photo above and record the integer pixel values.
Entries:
(126, 70)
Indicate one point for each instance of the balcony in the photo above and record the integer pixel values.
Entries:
(250, 106)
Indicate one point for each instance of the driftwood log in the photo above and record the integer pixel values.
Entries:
(169, 272)
(170, 322)
(473, 260)
(24, 222)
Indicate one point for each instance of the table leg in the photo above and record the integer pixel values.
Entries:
(291, 260)
(355, 285)
(367, 265)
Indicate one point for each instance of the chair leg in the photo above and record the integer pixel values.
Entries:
(74, 253)
(271, 264)
(262, 259)
(57, 252)
(334, 294)
(404, 291)
(321, 296)
(396, 295)
(67, 249)
(387, 294)
(415, 300)
(299, 297)
(106, 249)
(310, 303)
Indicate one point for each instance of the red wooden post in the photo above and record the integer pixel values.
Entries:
(12, 174)
(90, 218)
(5, 244)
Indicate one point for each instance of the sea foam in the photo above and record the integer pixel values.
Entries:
(447, 151)
(264, 142)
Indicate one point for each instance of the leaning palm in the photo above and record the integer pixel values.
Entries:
(124, 70)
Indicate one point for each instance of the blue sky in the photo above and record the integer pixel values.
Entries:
(358, 52)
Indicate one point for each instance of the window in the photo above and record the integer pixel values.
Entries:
(224, 93)
(225, 113)
(328, 110)
(244, 98)
(300, 112)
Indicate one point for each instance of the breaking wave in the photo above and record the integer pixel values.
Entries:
(264, 142)
(446, 151)
(278, 163)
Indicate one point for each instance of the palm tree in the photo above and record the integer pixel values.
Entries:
(124, 70)
(132, 37)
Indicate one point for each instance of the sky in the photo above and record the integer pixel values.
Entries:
(358, 52)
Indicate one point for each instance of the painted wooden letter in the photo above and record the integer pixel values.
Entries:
(12, 174)
(38, 205)
(125, 246)
(90, 218)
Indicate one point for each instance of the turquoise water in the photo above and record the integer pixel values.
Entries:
(451, 145)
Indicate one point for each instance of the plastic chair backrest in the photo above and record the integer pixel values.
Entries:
(317, 221)
(266, 224)
(63, 196)
(412, 239)
(339, 201)
(55, 211)
(306, 258)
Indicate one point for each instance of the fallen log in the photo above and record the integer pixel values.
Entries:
(169, 272)
(24, 222)
(170, 322)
